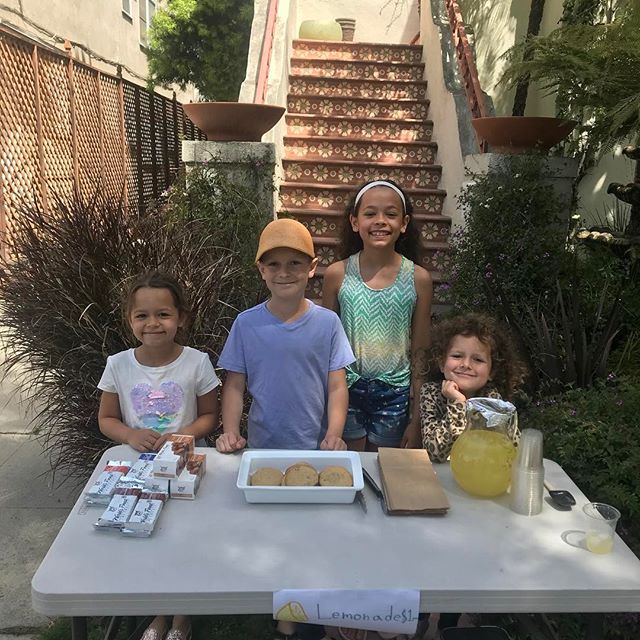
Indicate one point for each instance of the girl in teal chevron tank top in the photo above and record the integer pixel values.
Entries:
(384, 302)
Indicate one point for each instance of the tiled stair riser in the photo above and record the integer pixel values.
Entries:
(357, 70)
(336, 198)
(309, 85)
(359, 51)
(354, 174)
(382, 151)
(304, 125)
(358, 107)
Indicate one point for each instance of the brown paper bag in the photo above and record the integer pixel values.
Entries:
(409, 483)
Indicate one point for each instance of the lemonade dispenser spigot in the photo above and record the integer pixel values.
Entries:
(482, 456)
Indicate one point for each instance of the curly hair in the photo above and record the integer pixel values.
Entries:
(507, 368)
(407, 244)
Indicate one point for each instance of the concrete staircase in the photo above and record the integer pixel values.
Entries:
(356, 112)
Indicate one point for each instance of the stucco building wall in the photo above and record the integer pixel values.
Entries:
(102, 34)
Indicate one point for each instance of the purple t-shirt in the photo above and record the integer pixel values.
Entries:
(287, 367)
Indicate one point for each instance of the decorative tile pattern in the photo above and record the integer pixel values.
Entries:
(312, 198)
(314, 288)
(383, 152)
(433, 231)
(357, 108)
(357, 174)
(356, 51)
(316, 197)
(357, 70)
(301, 85)
(357, 128)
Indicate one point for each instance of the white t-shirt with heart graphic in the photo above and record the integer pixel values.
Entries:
(160, 398)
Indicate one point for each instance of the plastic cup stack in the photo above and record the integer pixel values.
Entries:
(527, 475)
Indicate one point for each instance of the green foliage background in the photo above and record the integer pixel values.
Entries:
(202, 42)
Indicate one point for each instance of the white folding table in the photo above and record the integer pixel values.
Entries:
(218, 554)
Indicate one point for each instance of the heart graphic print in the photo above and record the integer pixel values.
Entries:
(157, 408)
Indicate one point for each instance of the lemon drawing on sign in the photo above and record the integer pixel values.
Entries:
(292, 611)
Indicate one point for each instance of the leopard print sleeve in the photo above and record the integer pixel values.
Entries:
(442, 421)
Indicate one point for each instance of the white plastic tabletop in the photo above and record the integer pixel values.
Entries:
(219, 554)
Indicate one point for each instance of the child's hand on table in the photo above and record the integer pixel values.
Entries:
(161, 440)
(333, 443)
(230, 442)
(143, 439)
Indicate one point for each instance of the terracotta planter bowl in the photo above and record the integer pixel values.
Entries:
(519, 134)
(233, 121)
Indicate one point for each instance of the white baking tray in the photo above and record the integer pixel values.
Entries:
(281, 459)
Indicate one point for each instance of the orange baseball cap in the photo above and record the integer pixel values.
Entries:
(288, 234)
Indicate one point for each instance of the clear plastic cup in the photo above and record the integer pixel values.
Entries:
(601, 526)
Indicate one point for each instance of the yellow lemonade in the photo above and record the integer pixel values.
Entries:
(599, 542)
(481, 462)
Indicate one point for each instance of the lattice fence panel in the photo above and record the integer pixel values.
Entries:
(174, 148)
(79, 139)
(145, 147)
(112, 142)
(131, 127)
(55, 116)
(87, 117)
(19, 159)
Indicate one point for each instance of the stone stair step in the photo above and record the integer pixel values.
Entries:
(349, 127)
(334, 197)
(357, 51)
(384, 89)
(358, 107)
(357, 69)
(382, 151)
(355, 173)
(433, 228)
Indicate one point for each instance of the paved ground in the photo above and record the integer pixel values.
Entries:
(31, 513)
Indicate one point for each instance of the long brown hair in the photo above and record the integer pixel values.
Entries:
(350, 241)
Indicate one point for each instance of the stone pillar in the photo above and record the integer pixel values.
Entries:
(250, 164)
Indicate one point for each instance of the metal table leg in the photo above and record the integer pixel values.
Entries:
(78, 628)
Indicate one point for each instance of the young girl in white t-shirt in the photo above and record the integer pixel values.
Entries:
(158, 388)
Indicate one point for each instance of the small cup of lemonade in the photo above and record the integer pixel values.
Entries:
(601, 521)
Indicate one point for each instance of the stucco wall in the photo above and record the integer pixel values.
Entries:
(496, 26)
(375, 20)
(100, 26)
(442, 110)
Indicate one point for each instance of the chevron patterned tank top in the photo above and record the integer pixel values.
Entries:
(378, 324)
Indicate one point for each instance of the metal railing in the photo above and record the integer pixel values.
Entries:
(467, 66)
(265, 52)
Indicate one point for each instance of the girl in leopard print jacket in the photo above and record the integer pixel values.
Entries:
(475, 358)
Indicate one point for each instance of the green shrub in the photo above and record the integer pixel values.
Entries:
(594, 435)
(61, 294)
(513, 240)
(568, 303)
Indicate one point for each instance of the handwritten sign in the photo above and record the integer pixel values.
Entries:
(395, 611)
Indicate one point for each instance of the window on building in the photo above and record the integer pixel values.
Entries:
(126, 7)
(147, 11)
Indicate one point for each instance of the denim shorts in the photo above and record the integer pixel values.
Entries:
(378, 411)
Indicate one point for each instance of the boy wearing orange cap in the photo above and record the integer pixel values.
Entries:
(289, 353)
